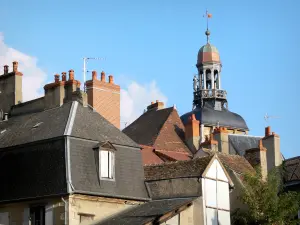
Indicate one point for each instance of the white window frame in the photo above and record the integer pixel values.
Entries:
(110, 164)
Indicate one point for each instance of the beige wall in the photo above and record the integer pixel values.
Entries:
(16, 210)
(100, 207)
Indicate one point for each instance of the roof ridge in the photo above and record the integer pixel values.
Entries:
(162, 150)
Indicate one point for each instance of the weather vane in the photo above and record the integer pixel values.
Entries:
(207, 32)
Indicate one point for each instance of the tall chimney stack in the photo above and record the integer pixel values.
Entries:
(104, 97)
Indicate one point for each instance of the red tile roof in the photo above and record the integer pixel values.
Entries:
(149, 157)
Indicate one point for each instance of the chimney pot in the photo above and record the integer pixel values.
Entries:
(111, 79)
(94, 75)
(56, 78)
(267, 131)
(5, 69)
(15, 66)
(157, 101)
(152, 103)
(71, 74)
(103, 76)
(64, 76)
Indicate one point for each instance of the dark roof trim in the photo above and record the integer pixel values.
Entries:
(110, 196)
(11, 148)
(172, 213)
(34, 198)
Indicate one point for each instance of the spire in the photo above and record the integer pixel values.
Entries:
(207, 32)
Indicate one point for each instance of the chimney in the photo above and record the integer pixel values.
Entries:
(258, 157)
(271, 142)
(71, 86)
(63, 76)
(221, 135)
(15, 66)
(56, 78)
(5, 69)
(11, 88)
(103, 76)
(110, 79)
(94, 75)
(71, 74)
(104, 97)
(156, 106)
(192, 134)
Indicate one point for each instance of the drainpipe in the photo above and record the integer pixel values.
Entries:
(66, 210)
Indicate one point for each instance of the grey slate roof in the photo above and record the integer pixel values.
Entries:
(208, 116)
(145, 213)
(238, 144)
(37, 165)
(53, 122)
(129, 174)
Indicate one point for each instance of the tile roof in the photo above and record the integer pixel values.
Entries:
(173, 156)
(236, 163)
(149, 157)
(147, 212)
(292, 169)
(161, 129)
(179, 169)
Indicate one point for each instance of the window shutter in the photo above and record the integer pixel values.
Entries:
(49, 215)
(26, 215)
(111, 164)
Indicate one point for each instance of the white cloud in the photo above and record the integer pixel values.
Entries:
(135, 98)
(33, 77)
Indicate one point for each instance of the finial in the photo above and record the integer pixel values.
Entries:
(207, 32)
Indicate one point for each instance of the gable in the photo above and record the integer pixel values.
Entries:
(216, 171)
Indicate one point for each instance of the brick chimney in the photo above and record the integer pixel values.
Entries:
(221, 135)
(258, 157)
(11, 88)
(61, 91)
(156, 105)
(271, 142)
(192, 134)
(104, 97)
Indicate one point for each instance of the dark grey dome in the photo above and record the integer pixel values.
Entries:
(211, 117)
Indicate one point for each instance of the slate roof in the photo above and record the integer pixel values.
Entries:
(208, 116)
(161, 129)
(292, 169)
(147, 212)
(179, 169)
(238, 144)
(37, 167)
(52, 123)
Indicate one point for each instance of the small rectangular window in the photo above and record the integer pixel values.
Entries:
(106, 164)
(85, 217)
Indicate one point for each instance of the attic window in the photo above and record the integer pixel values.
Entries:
(107, 164)
(37, 125)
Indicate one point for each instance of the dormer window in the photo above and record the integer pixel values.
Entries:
(106, 161)
(107, 164)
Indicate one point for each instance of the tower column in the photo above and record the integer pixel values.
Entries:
(204, 78)
(200, 82)
(212, 79)
(219, 76)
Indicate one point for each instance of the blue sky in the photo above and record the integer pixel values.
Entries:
(157, 41)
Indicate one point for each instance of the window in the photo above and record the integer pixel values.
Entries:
(85, 217)
(106, 164)
(37, 215)
(4, 218)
